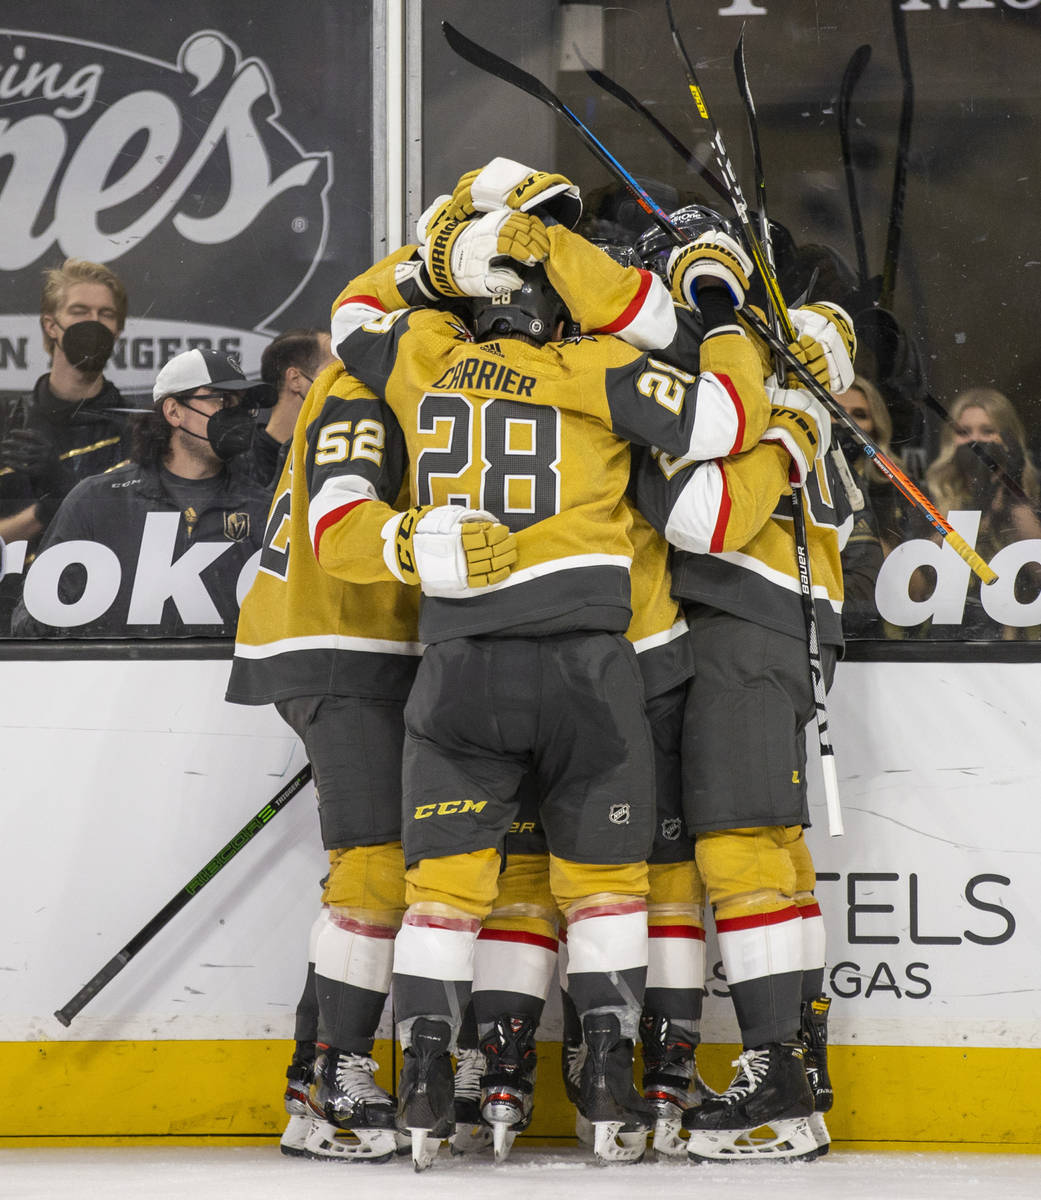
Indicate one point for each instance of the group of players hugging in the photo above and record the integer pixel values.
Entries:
(529, 596)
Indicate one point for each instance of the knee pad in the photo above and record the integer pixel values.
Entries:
(747, 871)
(524, 903)
(676, 894)
(369, 880)
(578, 886)
(466, 883)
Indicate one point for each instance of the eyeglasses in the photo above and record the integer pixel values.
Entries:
(226, 399)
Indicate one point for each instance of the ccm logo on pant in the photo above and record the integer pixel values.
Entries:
(447, 807)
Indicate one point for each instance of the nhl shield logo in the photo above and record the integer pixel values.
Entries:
(236, 526)
(619, 814)
(670, 829)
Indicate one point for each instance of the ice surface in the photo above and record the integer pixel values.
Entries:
(261, 1173)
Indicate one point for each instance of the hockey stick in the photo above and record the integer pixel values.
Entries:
(491, 63)
(896, 204)
(799, 530)
(195, 885)
(613, 88)
(854, 69)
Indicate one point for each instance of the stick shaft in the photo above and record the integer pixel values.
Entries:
(169, 910)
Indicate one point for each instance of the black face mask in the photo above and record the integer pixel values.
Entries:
(229, 430)
(87, 345)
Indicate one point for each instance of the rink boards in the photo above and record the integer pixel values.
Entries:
(124, 778)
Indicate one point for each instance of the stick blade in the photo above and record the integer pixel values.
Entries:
(485, 60)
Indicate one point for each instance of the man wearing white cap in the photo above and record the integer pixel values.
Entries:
(182, 520)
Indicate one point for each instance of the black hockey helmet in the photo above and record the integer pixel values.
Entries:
(654, 245)
(621, 252)
(535, 309)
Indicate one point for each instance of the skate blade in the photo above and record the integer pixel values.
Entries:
(328, 1141)
(667, 1139)
(424, 1148)
(820, 1133)
(503, 1137)
(470, 1139)
(611, 1145)
(789, 1140)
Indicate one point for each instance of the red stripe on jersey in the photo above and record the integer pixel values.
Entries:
(330, 518)
(757, 920)
(371, 301)
(608, 910)
(633, 307)
(691, 932)
(518, 935)
(809, 910)
(739, 409)
(723, 516)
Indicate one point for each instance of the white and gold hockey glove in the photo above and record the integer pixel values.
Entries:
(448, 549)
(800, 423)
(713, 254)
(827, 344)
(464, 258)
(504, 183)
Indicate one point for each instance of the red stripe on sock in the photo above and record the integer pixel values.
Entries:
(809, 910)
(608, 910)
(519, 936)
(691, 932)
(757, 920)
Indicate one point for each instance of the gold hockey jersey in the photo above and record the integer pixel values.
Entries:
(302, 631)
(539, 436)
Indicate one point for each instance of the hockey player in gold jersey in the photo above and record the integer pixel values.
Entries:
(337, 660)
(531, 670)
(740, 590)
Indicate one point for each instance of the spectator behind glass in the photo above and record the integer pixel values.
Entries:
(180, 522)
(288, 366)
(864, 403)
(984, 420)
(65, 430)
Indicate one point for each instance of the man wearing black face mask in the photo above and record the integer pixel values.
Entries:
(288, 366)
(67, 429)
(183, 519)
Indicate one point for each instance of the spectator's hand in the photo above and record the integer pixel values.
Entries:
(30, 453)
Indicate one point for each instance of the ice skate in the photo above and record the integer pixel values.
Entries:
(352, 1116)
(814, 1034)
(619, 1115)
(426, 1093)
(508, 1085)
(671, 1083)
(770, 1091)
(298, 1083)
(472, 1132)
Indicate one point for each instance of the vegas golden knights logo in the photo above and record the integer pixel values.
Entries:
(236, 526)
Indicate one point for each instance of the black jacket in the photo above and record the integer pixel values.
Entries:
(88, 437)
(152, 570)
